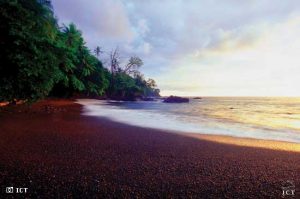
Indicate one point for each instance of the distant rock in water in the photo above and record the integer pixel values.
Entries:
(176, 99)
(197, 98)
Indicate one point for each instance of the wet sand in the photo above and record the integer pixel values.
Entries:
(54, 151)
(250, 142)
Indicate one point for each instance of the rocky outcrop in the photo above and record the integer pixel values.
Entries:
(197, 98)
(176, 99)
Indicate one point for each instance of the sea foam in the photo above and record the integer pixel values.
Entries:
(171, 117)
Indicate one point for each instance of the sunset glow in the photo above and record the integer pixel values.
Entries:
(207, 48)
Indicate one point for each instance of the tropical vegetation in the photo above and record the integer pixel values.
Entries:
(40, 59)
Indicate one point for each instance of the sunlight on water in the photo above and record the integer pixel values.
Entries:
(272, 113)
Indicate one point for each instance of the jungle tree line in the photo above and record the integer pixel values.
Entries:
(40, 59)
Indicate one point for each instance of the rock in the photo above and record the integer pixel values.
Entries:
(197, 98)
(176, 99)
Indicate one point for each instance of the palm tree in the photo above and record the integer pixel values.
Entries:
(98, 51)
(73, 36)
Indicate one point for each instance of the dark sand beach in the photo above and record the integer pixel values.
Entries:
(56, 152)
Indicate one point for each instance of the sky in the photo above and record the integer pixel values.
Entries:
(198, 47)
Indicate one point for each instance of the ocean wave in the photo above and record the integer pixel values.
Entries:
(191, 118)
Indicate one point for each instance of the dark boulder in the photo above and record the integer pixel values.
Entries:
(197, 98)
(176, 99)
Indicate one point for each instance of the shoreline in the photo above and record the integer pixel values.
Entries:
(218, 138)
(249, 142)
(224, 139)
(53, 150)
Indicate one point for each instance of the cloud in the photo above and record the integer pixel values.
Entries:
(142, 27)
(267, 67)
(228, 41)
(102, 22)
(178, 40)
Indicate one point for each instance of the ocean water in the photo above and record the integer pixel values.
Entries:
(260, 118)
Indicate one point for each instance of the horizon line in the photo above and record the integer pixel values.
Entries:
(271, 96)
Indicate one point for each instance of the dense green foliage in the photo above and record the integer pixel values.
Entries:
(38, 59)
(82, 72)
(29, 65)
